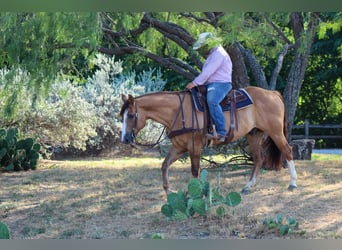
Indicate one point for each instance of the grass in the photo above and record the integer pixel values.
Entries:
(325, 157)
(121, 199)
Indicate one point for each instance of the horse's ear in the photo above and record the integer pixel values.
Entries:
(130, 98)
(123, 98)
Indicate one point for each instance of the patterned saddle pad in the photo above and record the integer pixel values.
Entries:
(241, 96)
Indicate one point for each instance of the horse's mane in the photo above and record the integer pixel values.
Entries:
(123, 108)
(126, 103)
(161, 93)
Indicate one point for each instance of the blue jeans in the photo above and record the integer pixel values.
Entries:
(216, 91)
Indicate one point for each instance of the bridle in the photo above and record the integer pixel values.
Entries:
(135, 116)
(173, 133)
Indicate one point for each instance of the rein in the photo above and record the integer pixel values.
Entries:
(137, 145)
(150, 146)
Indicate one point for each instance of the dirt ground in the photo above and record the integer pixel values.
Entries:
(121, 199)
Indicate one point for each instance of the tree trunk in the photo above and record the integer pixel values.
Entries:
(297, 71)
(240, 76)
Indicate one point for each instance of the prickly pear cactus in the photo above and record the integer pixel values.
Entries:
(176, 207)
(204, 174)
(220, 211)
(233, 199)
(195, 188)
(180, 216)
(199, 206)
(25, 144)
(166, 210)
(198, 199)
(11, 136)
(177, 201)
(17, 154)
(4, 231)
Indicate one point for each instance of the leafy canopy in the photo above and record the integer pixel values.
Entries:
(45, 44)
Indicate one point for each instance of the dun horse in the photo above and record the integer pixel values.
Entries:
(265, 118)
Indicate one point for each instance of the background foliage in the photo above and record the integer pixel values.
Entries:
(56, 86)
(79, 116)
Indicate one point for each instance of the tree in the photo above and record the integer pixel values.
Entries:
(320, 99)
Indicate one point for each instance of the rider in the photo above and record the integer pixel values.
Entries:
(217, 76)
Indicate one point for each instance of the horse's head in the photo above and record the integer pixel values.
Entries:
(130, 119)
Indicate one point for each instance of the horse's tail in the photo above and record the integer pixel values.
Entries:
(273, 156)
(273, 159)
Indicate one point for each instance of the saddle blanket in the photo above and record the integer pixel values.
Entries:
(242, 98)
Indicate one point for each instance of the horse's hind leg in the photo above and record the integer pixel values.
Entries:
(255, 141)
(286, 151)
(171, 157)
(293, 174)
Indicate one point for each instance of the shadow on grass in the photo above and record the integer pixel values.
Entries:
(112, 200)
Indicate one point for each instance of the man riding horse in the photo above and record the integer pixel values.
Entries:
(216, 75)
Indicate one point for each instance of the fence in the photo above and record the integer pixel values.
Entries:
(307, 126)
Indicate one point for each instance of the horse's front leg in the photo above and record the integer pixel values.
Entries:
(171, 157)
(195, 158)
(254, 141)
(252, 180)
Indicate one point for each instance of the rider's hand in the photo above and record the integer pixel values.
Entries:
(190, 85)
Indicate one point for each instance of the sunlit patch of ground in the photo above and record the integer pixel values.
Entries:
(121, 198)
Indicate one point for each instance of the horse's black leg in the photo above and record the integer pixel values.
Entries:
(195, 164)
(171, 157)
(195, 156)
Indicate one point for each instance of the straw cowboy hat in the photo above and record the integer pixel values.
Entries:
(206, 38)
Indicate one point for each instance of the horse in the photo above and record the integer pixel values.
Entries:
(263, 123)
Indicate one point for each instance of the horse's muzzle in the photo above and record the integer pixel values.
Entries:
(128, 138)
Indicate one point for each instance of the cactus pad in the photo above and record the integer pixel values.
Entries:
(220, 211)
(166, 210)
(233, 199)
(4, 231)
(195, 188)
(199, 206)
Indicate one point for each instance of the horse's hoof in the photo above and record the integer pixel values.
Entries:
(292, 187)
(245, 191)
(170, 191)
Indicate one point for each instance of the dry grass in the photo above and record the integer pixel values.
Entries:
(121, 198)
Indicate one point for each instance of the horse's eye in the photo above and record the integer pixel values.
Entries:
(131, 116)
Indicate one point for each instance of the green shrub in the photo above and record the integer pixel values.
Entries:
(199, 198)
(77, 116)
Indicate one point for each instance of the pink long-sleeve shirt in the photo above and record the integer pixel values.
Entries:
(217, 68)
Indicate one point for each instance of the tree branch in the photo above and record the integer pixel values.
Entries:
(170, 62)
(277, 68)
(169, 30)
(212, 17)
(278, 30)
